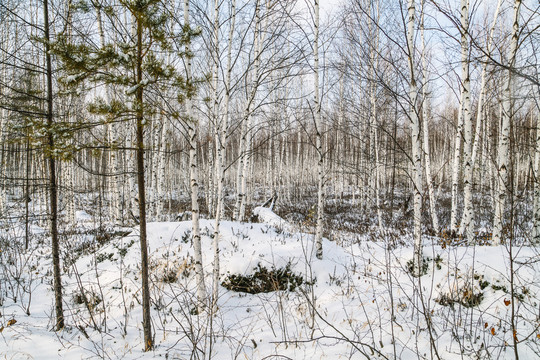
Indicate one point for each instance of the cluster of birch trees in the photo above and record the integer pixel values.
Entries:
(140, 109)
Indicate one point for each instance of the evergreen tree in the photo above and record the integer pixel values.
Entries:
(136, 65)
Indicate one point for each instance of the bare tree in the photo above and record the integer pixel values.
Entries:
(503, 151)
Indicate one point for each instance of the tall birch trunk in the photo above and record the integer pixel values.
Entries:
(215, 242)
(318, 129)
(456, 168)
(536, 214)
(161, 174)
(425, 125)
(243, 166)
(416, 144)
(503, 153)
(114, 183)
(3, 112)
(221, 138)
(374, 143)
(194, 178)
(467, 224)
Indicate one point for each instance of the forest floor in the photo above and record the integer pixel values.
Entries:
(276, 300)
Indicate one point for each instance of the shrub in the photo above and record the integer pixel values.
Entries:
(264, 280)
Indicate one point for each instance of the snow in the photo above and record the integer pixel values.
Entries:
(350, 291)
(268, 216)
(82, 215)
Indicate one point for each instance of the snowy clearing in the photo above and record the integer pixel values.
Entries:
(366, 303)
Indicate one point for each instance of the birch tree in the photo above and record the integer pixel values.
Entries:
(218, 158)
(192, 125)
(467, 224)
(425, 126)
(536, 210)
(503, 150)
(221, 139)
(254, 82)
(374, 136)
(468, 215)
(318, 139)
(416, 142)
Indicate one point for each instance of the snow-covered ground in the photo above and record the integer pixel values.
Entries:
(358, 302)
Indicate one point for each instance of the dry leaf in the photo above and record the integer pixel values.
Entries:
(11, 322)
(2, 329)
(493, 331)
(506, 302)
(485, 325)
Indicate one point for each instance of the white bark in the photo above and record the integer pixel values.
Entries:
(536, 214)
(132, 184)
(161, 174)
(114, 185)
(456, 167)
(340, 176)
(69, 198)
(467, 225)
(221, 137)
(374, 144)
(215, 242)
(3, 163)
(467, 221)
(193, 172)
(425, 125)
(318, 129)
(503, 153)
(243, 166)
(416, 143)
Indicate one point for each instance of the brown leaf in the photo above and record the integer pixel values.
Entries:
(507, 302)
(2, 329)
(11, 322)
(485, 325)
(493, 331)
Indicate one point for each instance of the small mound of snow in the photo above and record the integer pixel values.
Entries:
(81, 215)
(267, 216)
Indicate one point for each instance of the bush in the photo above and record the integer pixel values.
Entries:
(423, 270)
(466, 297)
(264, 280)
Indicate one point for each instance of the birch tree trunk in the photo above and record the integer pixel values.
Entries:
(536, 214)
(374, 151)
(245, 141)
(416, 144)
(503, 153)
(194, 177)
(215, 242)
(3, 112)
(221, 136)
(318, 129)
(456, 168)
(425, 125)
(114, 183)
(467, 224)
(161, 174)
